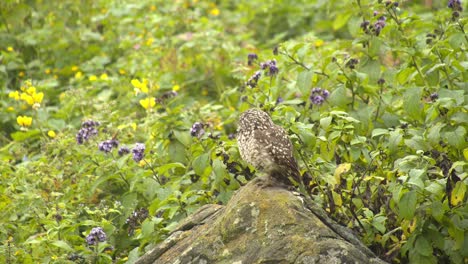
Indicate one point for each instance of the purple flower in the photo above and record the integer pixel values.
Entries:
(379, 25)
(434, 97)
(197, 130)
(95, 236)
(271, 66)
(123, 150)
(253, 80)
(279, 100)
(138, 152)
(455, 5)
(318, 96)
(251, 58)
(87, 130)
(107, 145)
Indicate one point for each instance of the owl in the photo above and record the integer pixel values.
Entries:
(267, 147)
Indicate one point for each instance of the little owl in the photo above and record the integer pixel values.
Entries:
(267, 147)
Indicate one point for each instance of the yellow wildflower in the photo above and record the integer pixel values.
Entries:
(122, 71)
(10, 109)
(24, 121)
(10, 49)
(21, 74)
(318, 43)
(92, 78)
(104, 76)
(140, 86)
(175, 88)
(153, 8)
(214, 11)
(31, 90)
(51, 134)
(148, 102)
(74, 68)
(134, 126)
(78, 75)
(149, 41)
(27, 98)
(37, 97)
(47, 71)
(15, 95)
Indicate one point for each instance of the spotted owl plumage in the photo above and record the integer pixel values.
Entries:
(266, 146)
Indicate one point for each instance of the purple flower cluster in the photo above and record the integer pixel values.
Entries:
(253, 80)
(123, 150)
(271, 66)
(455, 5)
(95, 236)
(434, 97)
(197, 130)
(87, 130)
(379, 25)
(352, 63)
(106, 146)
(251, 58)
(318, 96)
(376, 28)
(138, 152)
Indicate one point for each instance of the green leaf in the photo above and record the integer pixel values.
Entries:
(304, 81)
(24, 135)
(407, 204)
(379, 131)
(456, 138)
(437, 210)
(341, 20)
(412, 103)
(183, 137)
(201, 163)
(434, 133)
(423, 247)
(458, 193)
(63, 245)
(325, 122)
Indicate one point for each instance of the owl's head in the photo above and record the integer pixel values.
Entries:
(254, 119)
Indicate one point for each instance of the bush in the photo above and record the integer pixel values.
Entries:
(118, 119)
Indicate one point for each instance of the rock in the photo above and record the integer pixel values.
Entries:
(260, 224)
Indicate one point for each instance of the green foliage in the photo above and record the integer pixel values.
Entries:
(376, 108)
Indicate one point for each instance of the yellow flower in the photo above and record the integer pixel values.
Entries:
(134, 126)
(140, 86)
(31, 90)
(10, 109)
(214, 11)
(148, 102)
(47, 71)
(122, 71)
(149, 41)
(175, 88)
(24, 121)
(21, 74)
(78, 75)
(153, 8)
(10, 49)
(74, 68)
(104, 76)
(51, 134)
(318, 43)
(27, 98)
(92, 78)
(15, 95)
(38, 97)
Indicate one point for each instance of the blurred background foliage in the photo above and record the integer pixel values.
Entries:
(373, 93)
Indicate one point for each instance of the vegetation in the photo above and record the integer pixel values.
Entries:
(117, 119)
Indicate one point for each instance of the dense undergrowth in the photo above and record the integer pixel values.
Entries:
(118, 117)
